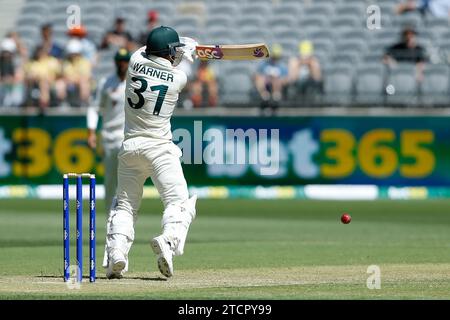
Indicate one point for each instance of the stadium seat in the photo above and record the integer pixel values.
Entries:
(320, 34)
(248, 67)
(372, 57)
(107, 55)
(413, 19)
(220, 40)
(191, 32)
(60, 32)
(95, 34)
(186, 21)
(103, 70)
(324, 10)
(392, 34)
(444, 50)
(219, 19)
(60, 7)
(255, 8)
(58, 19)
(294, 2)
(401, 85)
(379, 45)
(28, 2)
(291, 9)
(354, 35)
(164, 9)
(323, 46)
(236, 87)
(313, 22)
(226, 8)
(36, 8)
(93, 21)
(170, 2)
(283, 22)
(435, 86)
(347, 21)
(338, 85)
(100, 1)
(288, 34)
(351, 46)
(345, 59)
(323, 2)
(254, 36)
(369, 84)
(213, 2)
(433, 22)
(444, 37)
(129, 10)
(387, 7)
(219, 30)
(129, 5)
(99, 8)
(324, 60)
(356, 9)
(253, 21)
(353, 1)
(30, 20)
(268, 3)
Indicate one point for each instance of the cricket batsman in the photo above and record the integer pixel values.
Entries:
(110, 106)
(152, 88)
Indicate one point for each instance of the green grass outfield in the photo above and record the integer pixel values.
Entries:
(244, 249)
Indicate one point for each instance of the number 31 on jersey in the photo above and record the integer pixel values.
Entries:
(159, 101)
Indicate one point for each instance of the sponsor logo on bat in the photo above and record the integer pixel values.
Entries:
(209, 53)
(258, 52)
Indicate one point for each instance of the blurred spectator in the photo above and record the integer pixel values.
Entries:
(88, 48)
(12, 55)
(304, 71)
(41, 73)
(77, 73)
(152, 22)
(118, 36)
(271, 78)
(48, 44)
(407, 50)
(437, 8)
(204, 86)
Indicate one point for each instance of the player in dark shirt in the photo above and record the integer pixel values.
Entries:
(407, 50)
(118, 36)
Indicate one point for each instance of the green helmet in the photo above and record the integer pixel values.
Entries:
(122, 55)
(162, 41)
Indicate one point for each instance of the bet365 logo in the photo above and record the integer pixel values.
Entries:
(209, 53)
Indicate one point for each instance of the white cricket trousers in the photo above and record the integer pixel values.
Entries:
(110, 163)
(139, 159)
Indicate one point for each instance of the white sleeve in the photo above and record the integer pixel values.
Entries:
(92, 117)
(93, 110)
(183, 80)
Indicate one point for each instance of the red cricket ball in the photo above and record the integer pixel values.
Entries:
(346, 218)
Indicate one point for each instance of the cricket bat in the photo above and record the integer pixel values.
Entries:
(233, 52)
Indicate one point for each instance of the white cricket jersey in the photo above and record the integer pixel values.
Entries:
(152, 89)
(110, 106)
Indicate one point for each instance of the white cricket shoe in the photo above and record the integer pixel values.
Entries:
(162, 247)
(116, 265)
